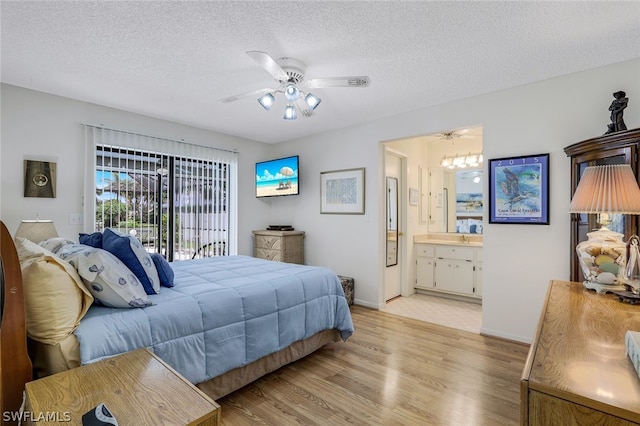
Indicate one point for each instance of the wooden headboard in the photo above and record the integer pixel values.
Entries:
(15, 366)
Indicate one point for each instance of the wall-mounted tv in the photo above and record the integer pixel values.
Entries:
(277, 177)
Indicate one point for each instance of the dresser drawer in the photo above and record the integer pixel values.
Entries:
(425, 250)
(269, 242)
(268, 254)
(449, 252)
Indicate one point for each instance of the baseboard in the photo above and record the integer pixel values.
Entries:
(504, 336)
(367, 304)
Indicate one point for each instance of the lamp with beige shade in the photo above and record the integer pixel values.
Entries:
(36, 230)
(605, 190)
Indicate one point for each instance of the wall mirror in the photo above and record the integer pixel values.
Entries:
(392, 221)
(454, 183)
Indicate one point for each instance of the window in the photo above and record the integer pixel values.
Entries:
(175, 204)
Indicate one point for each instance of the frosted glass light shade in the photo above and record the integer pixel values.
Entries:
(267, 101)
(312, 100)
(290, 113)
(291, 92)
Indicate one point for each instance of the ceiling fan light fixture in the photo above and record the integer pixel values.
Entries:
(290, 113)
(291, 92)
(267, 100)
(312, 100)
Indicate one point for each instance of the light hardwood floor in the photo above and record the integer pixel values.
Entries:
(392, 371)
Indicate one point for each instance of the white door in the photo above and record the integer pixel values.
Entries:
(394, 191)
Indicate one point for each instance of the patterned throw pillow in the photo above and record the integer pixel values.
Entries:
(110, 282)
(54, 244)
(131, 252)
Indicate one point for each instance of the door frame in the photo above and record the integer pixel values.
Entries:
(402, 220)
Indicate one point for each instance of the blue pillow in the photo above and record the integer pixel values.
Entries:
(165, 271)
(93, 240)
(131, 252)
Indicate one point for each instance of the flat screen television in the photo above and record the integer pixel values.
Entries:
(278, 177)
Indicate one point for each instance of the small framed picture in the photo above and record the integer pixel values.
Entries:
(519, 190)
(414, 196)
(342, 191)
(39, 179)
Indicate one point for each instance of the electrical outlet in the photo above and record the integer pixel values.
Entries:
(75, 218)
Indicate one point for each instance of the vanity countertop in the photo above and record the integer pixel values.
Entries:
(449, 239)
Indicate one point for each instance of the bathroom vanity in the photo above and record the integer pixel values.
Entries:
(449, 264)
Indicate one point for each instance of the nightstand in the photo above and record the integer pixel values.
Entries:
(282, 246)
(137, 387)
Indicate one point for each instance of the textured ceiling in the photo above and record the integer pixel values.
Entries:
(176, 60)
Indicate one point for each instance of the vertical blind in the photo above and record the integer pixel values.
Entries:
(177, 198)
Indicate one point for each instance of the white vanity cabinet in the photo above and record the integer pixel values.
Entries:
(425, 263)
(455, 269)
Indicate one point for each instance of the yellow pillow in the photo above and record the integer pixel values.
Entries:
(54, 295)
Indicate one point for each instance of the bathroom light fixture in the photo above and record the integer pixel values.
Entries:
(461, 161)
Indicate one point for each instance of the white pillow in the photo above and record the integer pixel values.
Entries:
(110, 282)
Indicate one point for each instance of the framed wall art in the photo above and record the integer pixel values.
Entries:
(342, 191)
(39, 179)
(519, 190)
(414, 196)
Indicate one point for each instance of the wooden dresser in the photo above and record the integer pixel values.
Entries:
(282, 246)
(578, 371)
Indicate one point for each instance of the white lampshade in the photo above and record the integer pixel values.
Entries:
(36, 230)
(610, 188)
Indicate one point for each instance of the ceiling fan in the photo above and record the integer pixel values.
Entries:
(289, 73)
(453, 135)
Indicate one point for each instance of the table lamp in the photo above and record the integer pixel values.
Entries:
(36, 230)
(605, 190)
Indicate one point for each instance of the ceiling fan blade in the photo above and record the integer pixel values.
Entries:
(305, 110)
(256, 93)
(353, 81)
(269, 64)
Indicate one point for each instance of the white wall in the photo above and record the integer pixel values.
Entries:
(519, 260)
(37, 125)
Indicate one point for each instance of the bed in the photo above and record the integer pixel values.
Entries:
(225, 322)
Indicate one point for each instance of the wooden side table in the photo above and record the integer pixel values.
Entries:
(137, 387)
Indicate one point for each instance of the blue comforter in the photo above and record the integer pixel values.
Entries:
(222, 313)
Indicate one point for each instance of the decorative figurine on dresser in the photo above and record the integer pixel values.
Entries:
(617, 107)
